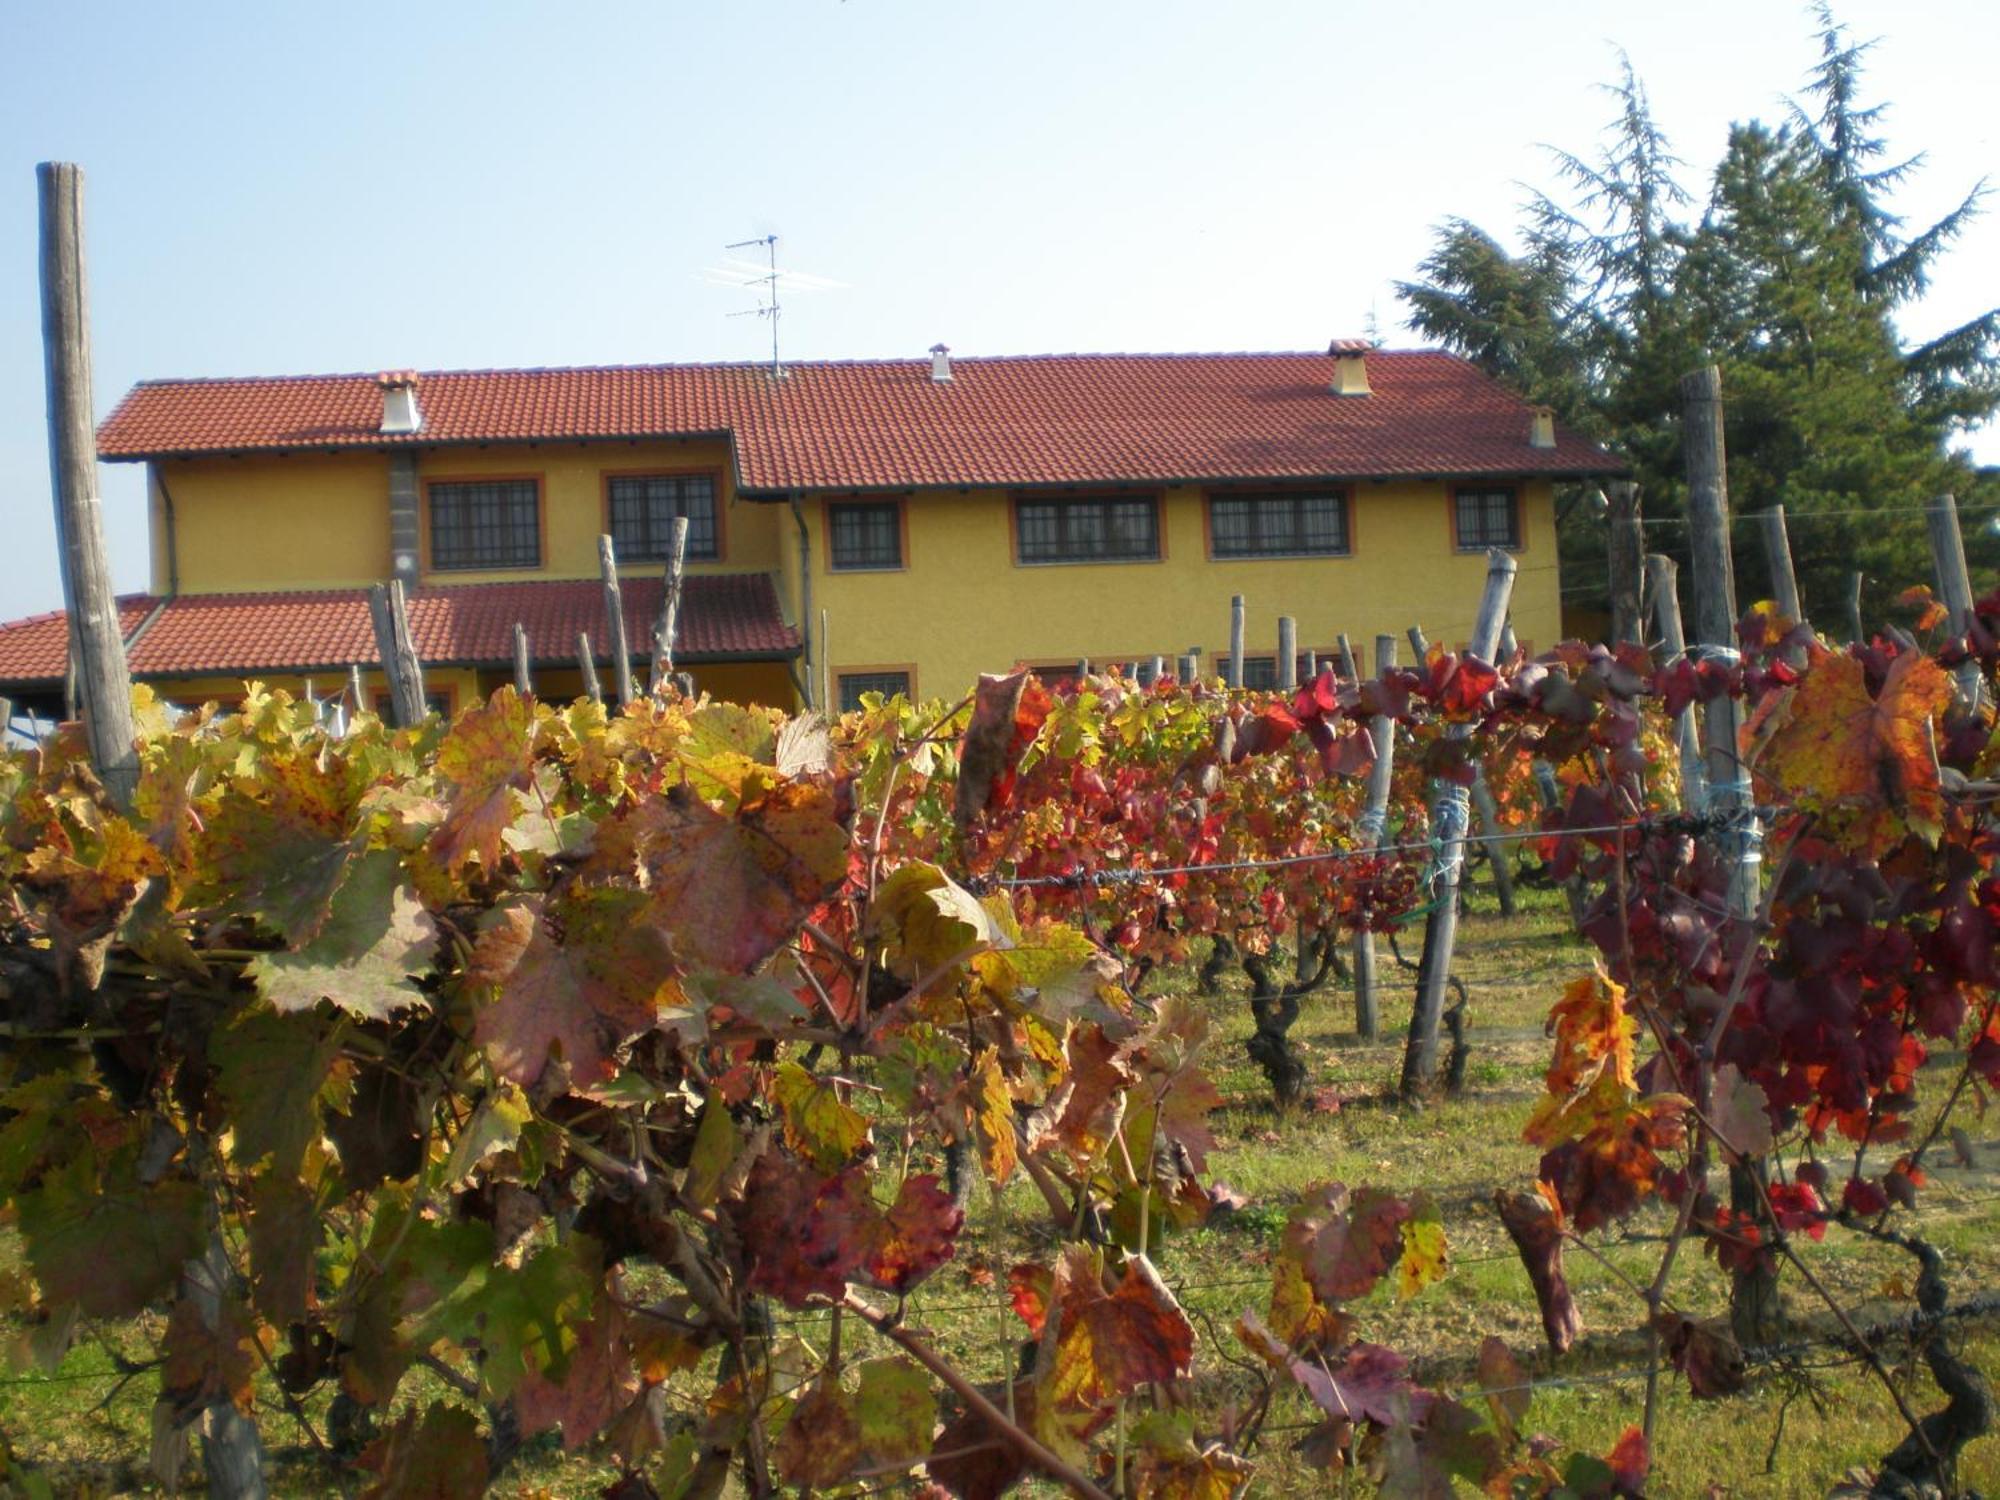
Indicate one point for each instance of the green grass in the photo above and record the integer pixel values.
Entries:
(93, 1433)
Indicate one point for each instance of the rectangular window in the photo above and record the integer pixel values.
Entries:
(1487, 518)
(865, 534)
(1278, 525)
(854, 684)
(486, 523)
(643, 508)
(1111, 530)
(1260, 672)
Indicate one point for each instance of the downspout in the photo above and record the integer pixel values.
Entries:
(805, 598)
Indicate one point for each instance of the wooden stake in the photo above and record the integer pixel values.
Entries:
(1784, 583)
(1236, 642)
(1715, 618)
(1349, 667)
(1488, 808)
(614, 621)
(1449, 818)
(1288, 653)
(400, 666)
(1374, 820)
(1625, 547)
(1312, 666)
(666, 630)
(1663, 584)
(1855, 632)
(354, 686)
(524, 682)
(1159, 670)
(96, 648)
(1419, 643)
(1954, 588)
(586, 661)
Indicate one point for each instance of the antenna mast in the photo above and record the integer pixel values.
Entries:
(770, 284)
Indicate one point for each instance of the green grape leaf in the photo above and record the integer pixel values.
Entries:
(819, 1125)
(485, 757)
(279, 858)
(1172, 1466)
(365, 958)
(438, 1456)
(572, 977)
(897, 1409)
(271, 1069)
(109, 1249)
(716, 1142)
(494, 1126)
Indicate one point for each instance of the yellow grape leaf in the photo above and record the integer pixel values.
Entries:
(1422, 1262)
(994, 1117)
(819, 1125)
(484, 757)
(923, 919)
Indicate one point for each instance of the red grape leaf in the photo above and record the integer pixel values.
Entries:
(1108, 1346)
(573, 975)
(1705, 1351)
(918, 1234)
(366, 955)
(1345, 1245)
(597, 1383)
(1369, 1381)
(809, 1235)
(729, 889)
(1505, 1385)
(487, 754)
(986, 754)
(1090, 1103)
(438, 1456)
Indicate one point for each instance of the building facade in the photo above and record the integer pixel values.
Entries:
(888, 525)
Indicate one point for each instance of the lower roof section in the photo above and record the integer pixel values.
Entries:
(723, 616)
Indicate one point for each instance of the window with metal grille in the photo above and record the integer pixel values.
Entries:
(486, 523)
(1487, 518)
(1260, 672)
(1278, 525)
(643, 507)
(865, 534)
(854, 684)
(1110, 530)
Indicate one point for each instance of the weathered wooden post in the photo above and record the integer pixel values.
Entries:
(1159, 670)
(1508, 644)
(1784, 582)
(405, 674)
(1448, 826)
(1374, 820)
(1288, 653)
(354, 686)
(1494, 838)
(614, 621)
(96, 648)
(586, 661)
(1954, 588)
(667, 626)
(524, 682)
(1235, 642)
(1312, 666)
(1419, 643)
(1625, 547)
(1663, 583)
(1349, 667)
(1855, 632)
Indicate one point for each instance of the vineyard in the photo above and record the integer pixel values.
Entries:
(741, 1102)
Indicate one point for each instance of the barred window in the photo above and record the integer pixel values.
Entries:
(865, 534)
(854, 684)
(643, 507)
(1279, 525)
(1111, 530)
(486, 523)
(1260, 672)
(1487, 518)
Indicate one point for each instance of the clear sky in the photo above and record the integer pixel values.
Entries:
(290, 188)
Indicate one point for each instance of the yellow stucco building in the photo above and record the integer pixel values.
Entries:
(852, 525)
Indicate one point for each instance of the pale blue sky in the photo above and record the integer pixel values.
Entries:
(285, 189)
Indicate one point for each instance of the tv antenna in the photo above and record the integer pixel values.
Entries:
(767, 281)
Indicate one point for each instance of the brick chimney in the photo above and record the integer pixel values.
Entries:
(400, 412)
(1350, 366)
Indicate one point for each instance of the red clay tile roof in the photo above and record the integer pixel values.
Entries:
(723, 615)
(1038, 420)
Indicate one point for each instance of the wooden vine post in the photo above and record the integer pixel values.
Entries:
(96, 648)
(405, 673)
(1663, 583)
(667, 628)
(586, 662)
(1784, 582)
(1236, 643)
(524, 682)
(1855, 632)
(1625, 548)
(1288, 653)
(614, 621)
(1954, 589)
(1374, 820)
(1449, 808)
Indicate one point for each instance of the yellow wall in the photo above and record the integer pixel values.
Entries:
(961, 606)
(322, 520)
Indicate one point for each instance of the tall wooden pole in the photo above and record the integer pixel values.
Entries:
(1784, 582)
(1855, 631)
(1954, 587)
(1625, 547)
(614, 621)
(1663, 583)
(666, 630)
(586, 661)
(1449, 817)
(1349, 667)
(1374, 819)
(1288, 653)
(524, 682)
(96, 649)
(1715, 621)
(1236, 641)
(405, 673)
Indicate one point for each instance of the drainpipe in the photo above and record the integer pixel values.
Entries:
(805, 597)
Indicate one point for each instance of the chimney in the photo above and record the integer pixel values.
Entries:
(400, 412)
(1350, 366)
(941, 364)
(1542, 427)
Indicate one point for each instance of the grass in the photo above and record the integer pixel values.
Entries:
(93, 1431)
